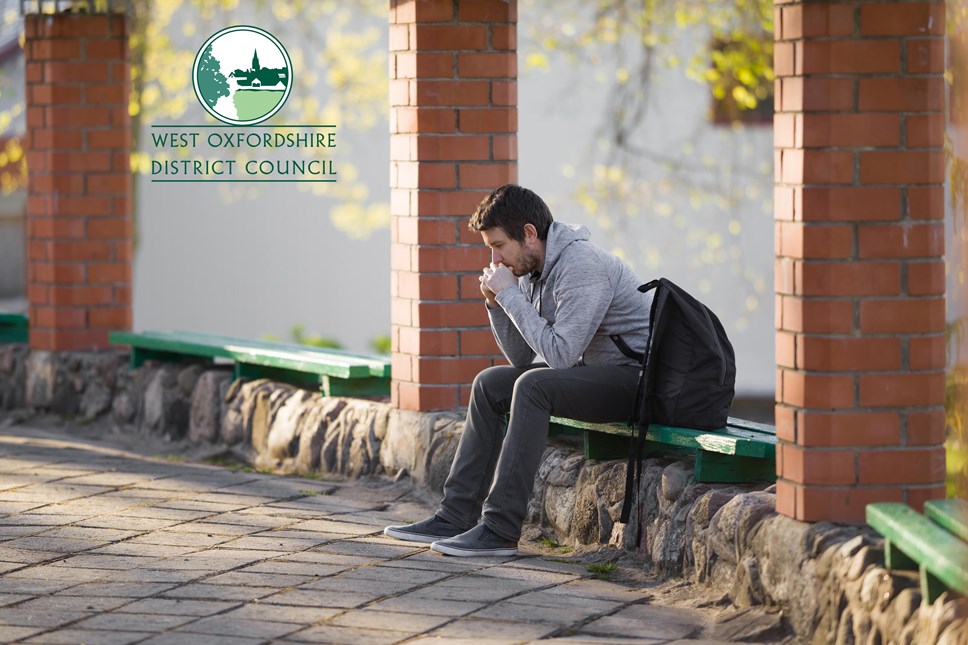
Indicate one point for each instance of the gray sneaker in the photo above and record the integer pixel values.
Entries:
(479, 541)
(435, 528)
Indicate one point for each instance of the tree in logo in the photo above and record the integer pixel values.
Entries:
(257, 86)
(212, 84)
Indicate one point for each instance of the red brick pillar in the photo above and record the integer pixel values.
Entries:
(453, 119)
(860, 309)
(79, 184)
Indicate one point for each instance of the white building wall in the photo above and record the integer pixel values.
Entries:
(256, 260)
(719, 249)
(268, 257)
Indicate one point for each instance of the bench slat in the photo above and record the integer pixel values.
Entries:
(249, 346)
(938, 552)
(745, 433)
(301, 362)
(740, 452)
(14, 328)
(160, 342)
(751, 426)
(336, 372)
(304, 360)
(721, 441)
(727, 441)
(378, 366)
(951, 514)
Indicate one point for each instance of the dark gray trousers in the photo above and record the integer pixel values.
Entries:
(495, 470)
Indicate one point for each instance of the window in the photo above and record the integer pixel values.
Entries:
(741, 81)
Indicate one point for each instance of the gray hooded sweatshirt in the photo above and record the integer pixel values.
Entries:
(566, 314)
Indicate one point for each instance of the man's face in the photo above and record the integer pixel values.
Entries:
(522, 258)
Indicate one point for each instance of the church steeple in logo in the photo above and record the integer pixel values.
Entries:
(235, 91)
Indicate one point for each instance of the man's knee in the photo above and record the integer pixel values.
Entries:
(495, 380)
(494, 376)
(533, 384)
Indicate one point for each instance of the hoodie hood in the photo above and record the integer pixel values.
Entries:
(560, 235)
(568, 314)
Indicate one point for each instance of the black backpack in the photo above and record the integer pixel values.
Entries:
(688, 372)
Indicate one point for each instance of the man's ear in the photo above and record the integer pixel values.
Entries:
(530, 231)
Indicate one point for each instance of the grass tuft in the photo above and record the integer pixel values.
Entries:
(231, 464)
(308, 492)
(549, 542)
(602, 570)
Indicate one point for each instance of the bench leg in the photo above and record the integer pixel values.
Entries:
(599, 445)
(603, 445)
(248, 370)
(139, 356)
(712, 467)
(931, 587)
(894, 558)
(373, 386)
(14, 334)
(558, 430)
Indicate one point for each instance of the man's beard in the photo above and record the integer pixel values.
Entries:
(527, 265)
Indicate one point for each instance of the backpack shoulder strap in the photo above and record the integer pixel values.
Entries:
(641, 412)
(620, 342)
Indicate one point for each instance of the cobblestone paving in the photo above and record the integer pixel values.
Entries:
(103, 546)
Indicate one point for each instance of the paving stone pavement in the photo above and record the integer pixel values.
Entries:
(101, 545)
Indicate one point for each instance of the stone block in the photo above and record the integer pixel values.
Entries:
(166, 409)
(735, 522)
(126, 401)
(13, 376)
(535, 511)
(353, 438)
(282, 440)
(71, 383)
(268, 401)
(397, 453)
(675, 478)
(206, 407)
(48, 386)
(421, 444)
(188, 378)
(99, 376)
(242, 398)
(436, 448)
(559, 508)
(232, 429)
(312, 432)
(600, 489)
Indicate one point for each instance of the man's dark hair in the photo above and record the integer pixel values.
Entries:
(511, 207)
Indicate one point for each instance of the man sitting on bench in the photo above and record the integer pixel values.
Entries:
(553, 299)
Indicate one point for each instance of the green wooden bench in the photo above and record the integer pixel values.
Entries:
(742, 451)
(13, 328)
(935, 544)
(336, 372)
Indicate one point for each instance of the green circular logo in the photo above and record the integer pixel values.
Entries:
(242, 75)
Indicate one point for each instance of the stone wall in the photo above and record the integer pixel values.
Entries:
(828, 579)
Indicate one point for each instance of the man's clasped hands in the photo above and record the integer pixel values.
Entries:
(494, 279)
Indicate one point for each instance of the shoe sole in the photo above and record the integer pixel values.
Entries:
(394, 532)
(470, 553)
